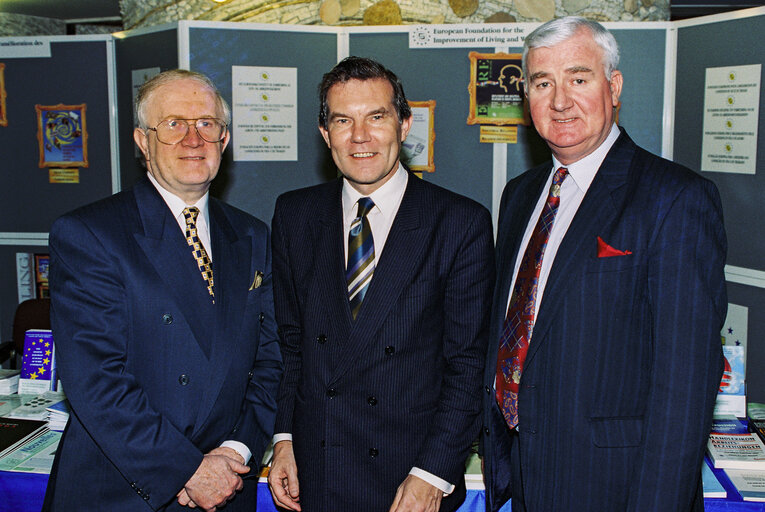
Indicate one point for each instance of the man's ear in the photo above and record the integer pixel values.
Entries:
(616, 86)
(406, 125)
(142, 141)
(325, 133)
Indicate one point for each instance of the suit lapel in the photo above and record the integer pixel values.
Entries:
(166, 248)
(232, 257)
(404, 249)
(330, 261)
(513, 226)
(579, 245)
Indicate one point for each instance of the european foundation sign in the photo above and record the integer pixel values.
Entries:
(487, 35)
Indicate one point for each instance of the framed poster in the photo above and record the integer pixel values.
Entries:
(496, 89)
(3, 113)
(62, 135)
(417, 149)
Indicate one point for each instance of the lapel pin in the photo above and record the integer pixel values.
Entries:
(258, 279)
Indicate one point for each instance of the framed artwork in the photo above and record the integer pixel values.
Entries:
(417, 149)
(3, 112)
(62, 135)
(496, 89)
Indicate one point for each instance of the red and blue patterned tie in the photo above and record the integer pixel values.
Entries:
(519, 322)
(361, 256)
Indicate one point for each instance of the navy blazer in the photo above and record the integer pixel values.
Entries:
(617, 392)
(399, 387)
(155, 373)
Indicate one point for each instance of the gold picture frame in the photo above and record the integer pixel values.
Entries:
(417, 149)
(62, 135)
(496, 89)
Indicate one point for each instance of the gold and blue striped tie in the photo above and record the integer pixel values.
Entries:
(197, 249)
(361, 256)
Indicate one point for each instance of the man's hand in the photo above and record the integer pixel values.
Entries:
(282, 478)
(416, 495)
(215, 481)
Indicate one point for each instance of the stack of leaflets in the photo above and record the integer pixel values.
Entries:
(35, 455)
(15, 432)
(58, 415)
(8, 403)
(9, 381)
(35, 407)
(736, 451)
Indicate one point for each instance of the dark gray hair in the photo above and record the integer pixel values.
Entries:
(359, 68)
(559, 30)
(144, 93)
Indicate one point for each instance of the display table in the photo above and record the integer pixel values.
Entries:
(21, 492)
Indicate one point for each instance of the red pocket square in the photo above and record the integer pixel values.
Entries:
(606, 251)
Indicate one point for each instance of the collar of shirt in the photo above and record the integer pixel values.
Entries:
(387, 200)
(583, 171)
(177, 205)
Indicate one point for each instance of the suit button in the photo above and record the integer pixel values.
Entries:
(167, 319)
(389, 350)
(331, 392)
(374, 452)
(321, 338)
(146, 497)
(372, 400)
(262, 317)
(250, 374)
(488, 390)
(486, 430)
(183, 379)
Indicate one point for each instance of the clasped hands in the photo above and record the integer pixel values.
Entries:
(216, 480)
(413, 495)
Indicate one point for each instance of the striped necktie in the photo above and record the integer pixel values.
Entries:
(361, 256)
(519, 321)
(197, 249)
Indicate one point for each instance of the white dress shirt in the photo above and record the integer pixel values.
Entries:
(572, 191)
(387, 200)
(177, 205)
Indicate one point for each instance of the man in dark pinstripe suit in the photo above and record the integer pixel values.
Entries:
(608, 404)
(380, 401)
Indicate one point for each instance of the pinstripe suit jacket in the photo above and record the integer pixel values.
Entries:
(367, 400)
(620, 379)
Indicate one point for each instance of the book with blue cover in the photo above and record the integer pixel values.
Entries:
(37, 363)
(712, 486)
(750, 484)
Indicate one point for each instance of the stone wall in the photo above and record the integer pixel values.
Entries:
(23, 25)
(143, 13)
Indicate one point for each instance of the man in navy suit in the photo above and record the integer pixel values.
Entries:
(605, 358)
(382, 285)
(162, 314)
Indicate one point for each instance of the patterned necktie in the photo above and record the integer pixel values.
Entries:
(361, 256)
(197, 249)
(519, 322)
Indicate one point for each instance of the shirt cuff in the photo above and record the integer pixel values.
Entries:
(433, 480)
(281, 437)
(239, 448)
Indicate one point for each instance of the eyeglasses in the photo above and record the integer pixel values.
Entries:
(172, 131)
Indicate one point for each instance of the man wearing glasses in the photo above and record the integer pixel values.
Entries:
(163, 320)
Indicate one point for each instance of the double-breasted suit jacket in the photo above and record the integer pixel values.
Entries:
(617, 391)
(156, 374)
(399, 387)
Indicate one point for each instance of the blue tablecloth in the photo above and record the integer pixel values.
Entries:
(20, 492)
